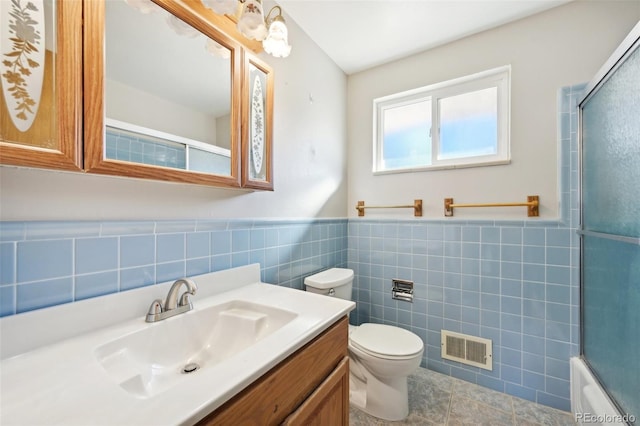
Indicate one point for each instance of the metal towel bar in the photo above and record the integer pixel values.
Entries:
(416, 206)
(532, 204)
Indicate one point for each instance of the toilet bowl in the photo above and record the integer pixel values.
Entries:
(381, 356)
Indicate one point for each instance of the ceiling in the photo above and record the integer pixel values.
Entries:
(360, 34)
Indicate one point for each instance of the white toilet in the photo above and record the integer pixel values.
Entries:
(382, 356)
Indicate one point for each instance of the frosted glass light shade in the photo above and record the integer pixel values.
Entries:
(251, 22)
(222, 7)
(277, 43)
(216, 49)
(181, 28)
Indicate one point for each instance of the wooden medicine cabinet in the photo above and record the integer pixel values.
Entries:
(160, 91)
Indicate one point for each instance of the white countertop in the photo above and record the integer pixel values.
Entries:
(62, 383)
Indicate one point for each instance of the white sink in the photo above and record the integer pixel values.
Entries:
(98, 362)
(149, 361)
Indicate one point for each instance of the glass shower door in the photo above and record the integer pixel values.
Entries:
(610, 272)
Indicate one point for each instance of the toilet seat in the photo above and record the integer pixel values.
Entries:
(385, 341)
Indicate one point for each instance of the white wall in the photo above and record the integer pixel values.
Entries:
(309, 163)
(560, 47)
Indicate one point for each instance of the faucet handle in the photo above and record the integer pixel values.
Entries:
(154, 310)
(185, 300)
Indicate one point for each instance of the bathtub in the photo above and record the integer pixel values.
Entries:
(589, 404)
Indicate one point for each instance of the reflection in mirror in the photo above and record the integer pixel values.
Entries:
(167, 91)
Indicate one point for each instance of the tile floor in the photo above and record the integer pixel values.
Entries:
(436, 399)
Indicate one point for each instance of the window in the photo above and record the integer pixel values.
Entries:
(471, 117)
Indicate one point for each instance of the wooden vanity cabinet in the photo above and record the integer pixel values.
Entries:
(310, 387)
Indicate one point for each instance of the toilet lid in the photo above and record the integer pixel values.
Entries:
(330, 278)
(386, 340)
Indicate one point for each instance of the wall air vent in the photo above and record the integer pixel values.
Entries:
(467, 349)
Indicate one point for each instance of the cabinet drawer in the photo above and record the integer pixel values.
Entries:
(270, 399)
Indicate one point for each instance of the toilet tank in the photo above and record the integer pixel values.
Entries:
(336, 282)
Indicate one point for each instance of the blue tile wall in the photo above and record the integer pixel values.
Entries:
(50, 263)
(515, 282)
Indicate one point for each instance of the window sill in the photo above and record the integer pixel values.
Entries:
(440, 167)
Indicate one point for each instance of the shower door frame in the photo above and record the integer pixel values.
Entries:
(629, 45)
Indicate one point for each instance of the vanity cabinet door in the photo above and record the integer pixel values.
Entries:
(328, 404)
(286, 387)
(257, 124)
(41, 84)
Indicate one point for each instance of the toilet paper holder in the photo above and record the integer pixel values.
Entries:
(402, 290)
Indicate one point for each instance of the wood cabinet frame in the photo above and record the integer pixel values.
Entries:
(68, 100)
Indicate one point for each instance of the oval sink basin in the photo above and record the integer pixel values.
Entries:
(149, 361)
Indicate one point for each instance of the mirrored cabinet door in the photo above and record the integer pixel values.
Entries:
(41, 80)
(162, 91)
(257, 124)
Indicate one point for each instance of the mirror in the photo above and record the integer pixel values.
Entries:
(171, 94)
(168, 94)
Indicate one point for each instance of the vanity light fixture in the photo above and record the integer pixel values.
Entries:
(252, 24)
(277, 41)
(251, 21)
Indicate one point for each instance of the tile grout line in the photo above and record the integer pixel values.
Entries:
(446, 420)
(513, 411)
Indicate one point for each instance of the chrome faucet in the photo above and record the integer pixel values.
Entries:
(173, 305)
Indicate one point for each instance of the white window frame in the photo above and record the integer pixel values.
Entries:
(497, 77)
